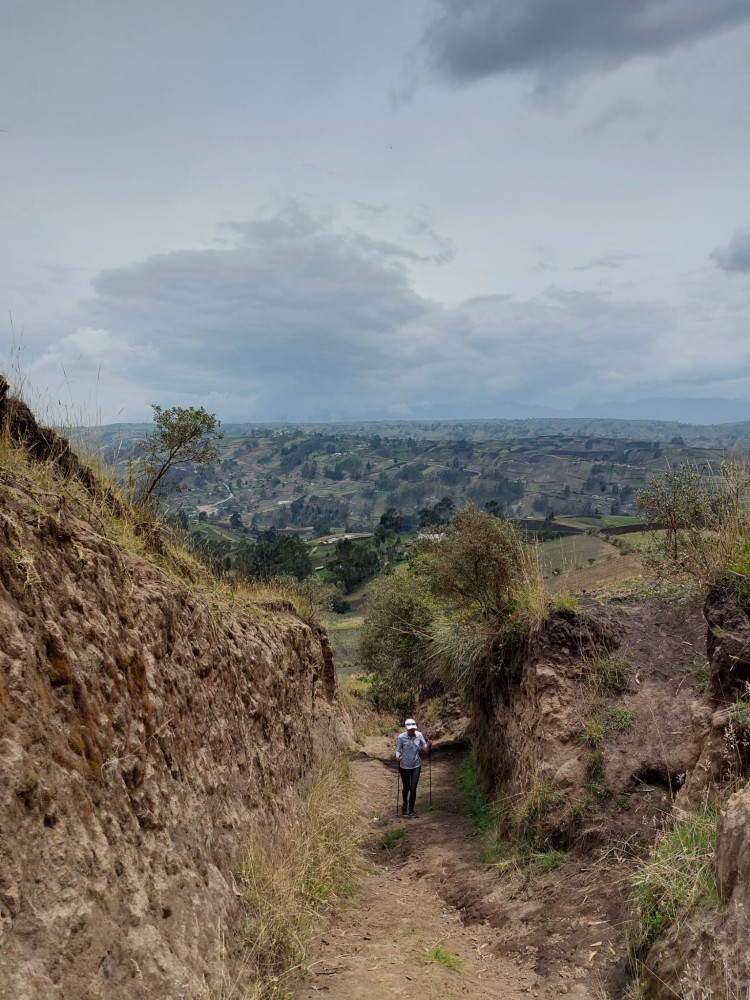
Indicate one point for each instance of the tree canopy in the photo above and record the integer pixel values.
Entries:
(273, 555)
(182, 434)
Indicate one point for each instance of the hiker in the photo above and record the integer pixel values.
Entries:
(410, 763)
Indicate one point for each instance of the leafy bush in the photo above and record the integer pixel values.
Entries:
(706, 521)
(549, 861)
(394, 640)
(455, 619)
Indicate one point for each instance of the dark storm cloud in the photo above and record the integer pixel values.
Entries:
(736, 256)
(292, 309)
(471, 39)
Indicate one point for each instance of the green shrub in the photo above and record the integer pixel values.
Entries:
(391, 837)
(394, 641)
(549, 861)
(437, 953)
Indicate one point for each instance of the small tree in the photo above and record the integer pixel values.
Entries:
(183, 434)
(680, 502)
(706, 521)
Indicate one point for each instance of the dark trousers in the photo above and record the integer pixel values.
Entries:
(410, 780)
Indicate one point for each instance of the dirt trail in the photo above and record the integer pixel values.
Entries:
(429, 888)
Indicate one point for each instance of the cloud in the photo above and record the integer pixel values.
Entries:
(735, 257)
(608, 262)
(104, 363)
(89, 351)
(472, 39)
(623, 112)
(293, 316)
(296, 319)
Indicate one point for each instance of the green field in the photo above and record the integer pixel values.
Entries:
(609, 521)
(561, 555)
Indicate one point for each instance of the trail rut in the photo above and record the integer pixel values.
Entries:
(429, 889)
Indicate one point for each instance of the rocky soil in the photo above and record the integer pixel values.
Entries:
(145, 727)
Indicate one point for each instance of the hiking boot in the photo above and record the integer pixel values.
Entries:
(403, 810)
(413, 815)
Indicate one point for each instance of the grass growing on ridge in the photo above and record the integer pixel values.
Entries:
(676, 877)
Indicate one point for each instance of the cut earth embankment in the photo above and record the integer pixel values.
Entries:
(147, 727)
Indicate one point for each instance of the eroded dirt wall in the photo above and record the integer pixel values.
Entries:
(144, 730)
(533, 726)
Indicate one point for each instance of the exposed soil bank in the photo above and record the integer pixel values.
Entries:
(144, 729)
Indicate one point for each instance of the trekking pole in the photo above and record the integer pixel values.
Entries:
(398, 775)
(430, 774)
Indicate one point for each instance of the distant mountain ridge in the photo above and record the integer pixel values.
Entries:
(732, 434)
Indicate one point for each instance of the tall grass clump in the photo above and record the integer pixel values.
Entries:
(289, 883)
(489, 583)
(677, 876)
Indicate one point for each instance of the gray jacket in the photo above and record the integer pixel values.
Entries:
(407, 750)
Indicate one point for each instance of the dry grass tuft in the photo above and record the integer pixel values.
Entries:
(289, 884)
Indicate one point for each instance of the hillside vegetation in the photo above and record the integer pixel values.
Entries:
(169, 722)
(278, 502)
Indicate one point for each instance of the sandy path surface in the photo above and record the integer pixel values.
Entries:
(429, 889)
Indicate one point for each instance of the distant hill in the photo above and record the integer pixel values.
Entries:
(317, 480)
(712, 435)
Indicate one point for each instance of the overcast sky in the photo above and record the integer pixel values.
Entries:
(344, 209)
